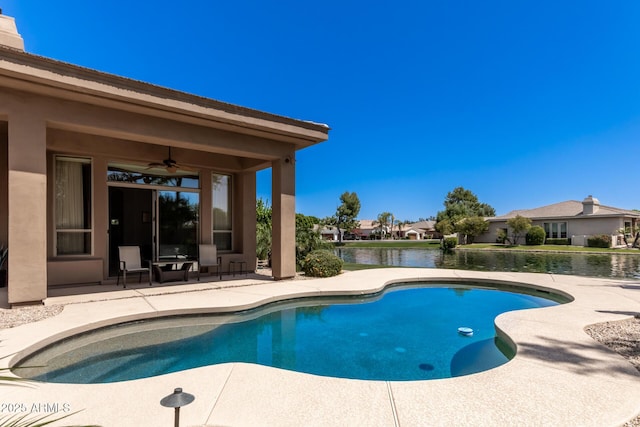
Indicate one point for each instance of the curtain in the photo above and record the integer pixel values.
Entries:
(70, 207)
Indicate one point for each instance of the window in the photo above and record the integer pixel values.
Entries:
(152, 175)
(73, 205)
(222, 215)
(555, 230)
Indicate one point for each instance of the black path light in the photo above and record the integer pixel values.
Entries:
(175, 400)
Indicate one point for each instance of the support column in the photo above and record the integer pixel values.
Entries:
(247, 183)
(4, 183)
(283, 244)
(27, 206)
(206, 204)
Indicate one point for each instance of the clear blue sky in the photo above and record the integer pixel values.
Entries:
(525, 103)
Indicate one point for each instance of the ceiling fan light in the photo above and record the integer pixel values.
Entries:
(172, 169)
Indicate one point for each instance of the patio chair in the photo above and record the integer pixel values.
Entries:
(130, 262)
(208, 257)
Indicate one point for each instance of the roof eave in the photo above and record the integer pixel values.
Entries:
(34, 73)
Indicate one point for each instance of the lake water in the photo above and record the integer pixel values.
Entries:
(580, 264)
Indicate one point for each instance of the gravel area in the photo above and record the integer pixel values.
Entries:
(10, 318)
(624, 338)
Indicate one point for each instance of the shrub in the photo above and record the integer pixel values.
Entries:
(449, 243)
(599, 241)
(557, 241)
(321, 263)
(535, 235)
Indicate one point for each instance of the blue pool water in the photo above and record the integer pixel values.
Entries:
(408, 333)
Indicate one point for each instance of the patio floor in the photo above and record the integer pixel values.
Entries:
(560, 376)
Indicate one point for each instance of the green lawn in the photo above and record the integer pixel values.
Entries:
(422, 244)
(354, 267)
(548, 248)
(434, 244)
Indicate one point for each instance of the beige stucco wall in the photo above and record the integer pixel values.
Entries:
(110, 124)
(27, 274)
(4, 212)
(284, 220)
(491, 235)
(591, 226)
(585, 226)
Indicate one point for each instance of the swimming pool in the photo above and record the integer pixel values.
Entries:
(404, 333)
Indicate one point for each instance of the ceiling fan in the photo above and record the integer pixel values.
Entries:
(169, 164)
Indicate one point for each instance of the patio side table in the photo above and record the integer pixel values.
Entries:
(236, 263)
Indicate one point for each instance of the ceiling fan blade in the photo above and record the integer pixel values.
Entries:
(185, 168)
(170, 165)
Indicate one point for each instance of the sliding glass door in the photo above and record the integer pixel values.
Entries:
(177, 225)
(164, 224)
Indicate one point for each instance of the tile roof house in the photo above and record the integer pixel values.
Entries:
(366, 229)
(420, 231)
(90, 161)
(572, 220)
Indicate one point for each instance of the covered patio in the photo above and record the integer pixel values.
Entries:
(90, 161)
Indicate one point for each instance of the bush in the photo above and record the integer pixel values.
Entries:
(321, 263)
(449, 243)
(535, 235)
(556, 241)
(599, 241)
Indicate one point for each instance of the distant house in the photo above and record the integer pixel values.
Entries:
(365, 230)
(330, 233)
(572, 220)
(420, 231)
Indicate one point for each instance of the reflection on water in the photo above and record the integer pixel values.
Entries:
(580, 264)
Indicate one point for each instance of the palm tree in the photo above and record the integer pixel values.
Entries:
(400, 224)
(383, 222)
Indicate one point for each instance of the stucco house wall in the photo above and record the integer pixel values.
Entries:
(50, 108)
(584, 219)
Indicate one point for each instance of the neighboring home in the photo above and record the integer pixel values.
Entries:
(329, 232)
(90, 161)
(369, 229)
(421, 230)
(573, 220)
(365, 230)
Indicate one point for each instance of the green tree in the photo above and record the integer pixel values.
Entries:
(307, 233)
(444, 227)
(263, 229)
(346, 213)
(472, 227)
(461, 203)
(383, 223)
(501, 235)
(518, 225)
(535, 236)
(308, 237)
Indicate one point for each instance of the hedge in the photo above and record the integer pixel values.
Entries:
(599, 241)
(449, 243)
(321, 263)
(535, 236)
(557, 241)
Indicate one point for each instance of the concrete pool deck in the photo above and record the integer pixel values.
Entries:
(560, 376)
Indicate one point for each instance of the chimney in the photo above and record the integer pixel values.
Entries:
(590, 205)
(9, 36)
